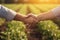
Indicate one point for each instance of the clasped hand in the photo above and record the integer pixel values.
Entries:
(31, 19)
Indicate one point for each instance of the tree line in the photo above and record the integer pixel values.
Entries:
(11, 1)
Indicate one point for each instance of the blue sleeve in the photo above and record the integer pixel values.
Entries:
(6, 13)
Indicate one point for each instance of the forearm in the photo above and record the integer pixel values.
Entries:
(54, 13)
(46, 16)
(9, 14)
(19, 17)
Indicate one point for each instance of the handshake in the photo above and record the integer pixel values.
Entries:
(27, 19)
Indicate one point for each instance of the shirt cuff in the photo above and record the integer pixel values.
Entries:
(56, 11)
(6, 13)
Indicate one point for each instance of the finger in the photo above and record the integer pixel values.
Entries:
(29, 15)
(28, 25)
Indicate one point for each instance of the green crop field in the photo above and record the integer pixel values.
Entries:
(15, 29)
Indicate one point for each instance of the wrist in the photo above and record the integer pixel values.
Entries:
(19, 17)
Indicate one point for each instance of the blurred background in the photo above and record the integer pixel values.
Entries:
(15, 30)
(30, 1)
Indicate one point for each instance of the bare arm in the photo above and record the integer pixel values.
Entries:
(52, 14)
(19, 17)
(46, 16)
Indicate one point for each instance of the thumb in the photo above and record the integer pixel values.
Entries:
(29, 15)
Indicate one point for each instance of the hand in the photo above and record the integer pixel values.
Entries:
(30, 18)
(30, 22)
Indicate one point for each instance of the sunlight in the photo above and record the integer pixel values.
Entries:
(40, 1)
(25, 0)
(44, 0)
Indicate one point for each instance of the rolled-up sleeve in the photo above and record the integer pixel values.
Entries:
(6, 13)
(56, 11)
